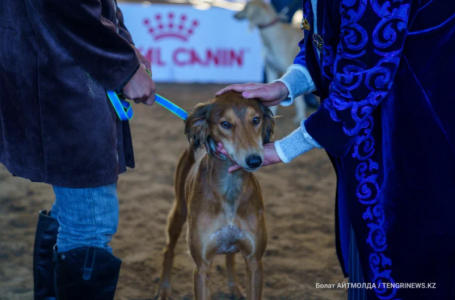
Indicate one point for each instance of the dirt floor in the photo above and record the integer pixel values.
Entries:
(299, 211)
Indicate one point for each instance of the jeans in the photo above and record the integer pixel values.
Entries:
(87, 216)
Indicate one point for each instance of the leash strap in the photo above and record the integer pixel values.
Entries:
(122, 108)
(125, 111)
(178, 111)
(173, 108)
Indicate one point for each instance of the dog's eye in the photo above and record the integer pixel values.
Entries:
(256, 120)
(226, 125)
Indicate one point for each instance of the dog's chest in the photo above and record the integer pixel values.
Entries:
(227, 238)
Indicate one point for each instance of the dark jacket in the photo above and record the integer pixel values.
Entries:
(386, 76)
(57, 59)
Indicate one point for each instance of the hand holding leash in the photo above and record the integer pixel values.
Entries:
(123, 107)
(141, 87)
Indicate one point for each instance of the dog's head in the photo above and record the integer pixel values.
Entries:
(242, 125)
(257, 12)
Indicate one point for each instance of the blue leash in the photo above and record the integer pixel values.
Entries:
(122, 107)
(125, 111)
(180, 112)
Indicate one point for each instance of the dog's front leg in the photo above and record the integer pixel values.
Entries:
(235, 290)
(203, 251)
(202, 286)
(255, 275)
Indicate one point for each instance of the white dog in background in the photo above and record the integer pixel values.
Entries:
(280, 42)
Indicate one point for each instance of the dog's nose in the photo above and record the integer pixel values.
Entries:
(254, 161)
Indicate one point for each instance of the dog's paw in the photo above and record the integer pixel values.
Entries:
(163, 296)
(236, 293)
(164, 293)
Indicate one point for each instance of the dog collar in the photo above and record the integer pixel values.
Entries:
(219, 155)
(276, 20)
(210, 146)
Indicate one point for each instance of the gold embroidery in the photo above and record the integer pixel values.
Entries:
(305, 25)
(318, 42)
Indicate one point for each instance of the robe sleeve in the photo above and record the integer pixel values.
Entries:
(91, 39)
(300, 58)
(123, 31)
(372, 35)
(298, 81)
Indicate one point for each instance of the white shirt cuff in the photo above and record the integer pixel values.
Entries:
(295, 144)
(298, 81)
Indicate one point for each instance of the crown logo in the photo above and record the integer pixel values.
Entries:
(172, 27)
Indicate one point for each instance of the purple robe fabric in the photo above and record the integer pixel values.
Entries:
(386, 77)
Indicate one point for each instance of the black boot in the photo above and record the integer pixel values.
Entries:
(43, 270)
(87, 273)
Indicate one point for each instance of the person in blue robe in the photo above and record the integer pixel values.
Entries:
(385, 71)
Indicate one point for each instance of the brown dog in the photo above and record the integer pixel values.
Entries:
(225, 211)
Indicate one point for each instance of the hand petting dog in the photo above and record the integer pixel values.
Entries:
(269, 94)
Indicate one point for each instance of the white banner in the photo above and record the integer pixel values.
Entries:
(186, 44)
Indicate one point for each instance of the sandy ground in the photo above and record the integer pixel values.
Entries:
(299, 211)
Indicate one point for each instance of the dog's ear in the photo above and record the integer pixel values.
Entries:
(268, 124)
(241, 15)
(252, 12)
(197, 127)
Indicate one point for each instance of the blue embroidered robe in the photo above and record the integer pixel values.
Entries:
(386, 75)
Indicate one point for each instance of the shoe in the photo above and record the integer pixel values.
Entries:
(88, 273)
(43, 269)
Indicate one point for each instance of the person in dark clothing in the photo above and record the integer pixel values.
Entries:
(57, 60)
